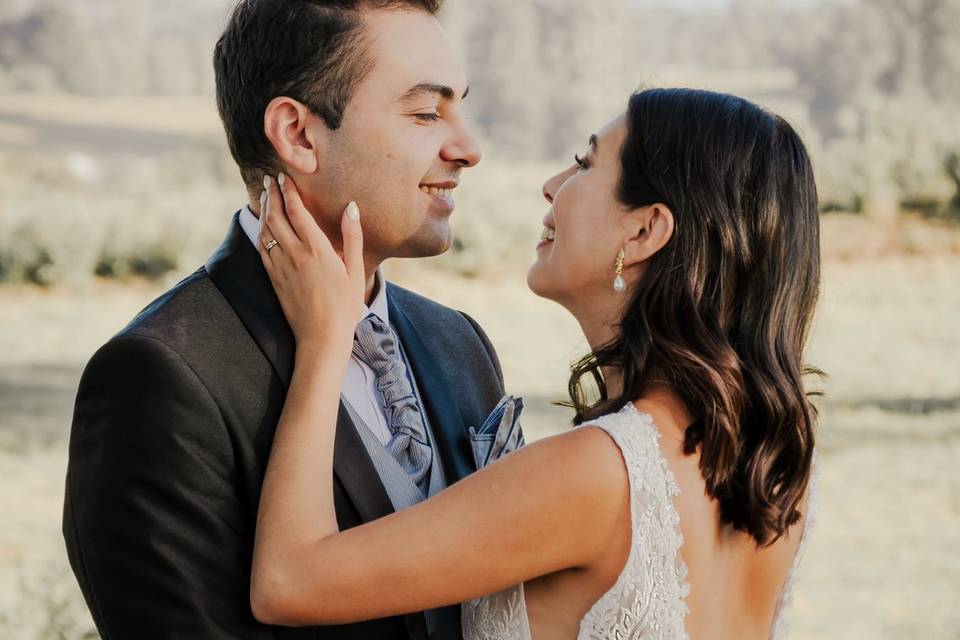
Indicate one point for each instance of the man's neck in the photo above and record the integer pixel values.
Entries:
(372, 288)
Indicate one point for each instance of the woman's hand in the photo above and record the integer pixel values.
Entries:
(321, 293)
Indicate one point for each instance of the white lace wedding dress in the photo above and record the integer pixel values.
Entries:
(648, 599)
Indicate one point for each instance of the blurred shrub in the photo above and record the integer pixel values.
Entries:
(872, 85)
(131, 217)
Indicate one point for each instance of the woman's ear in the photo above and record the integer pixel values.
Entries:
(286, 125)
(649, 229)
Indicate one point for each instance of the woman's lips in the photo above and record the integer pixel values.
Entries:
(547, 236)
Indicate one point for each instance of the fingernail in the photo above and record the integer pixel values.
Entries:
(266, 182)
(281, 178)
(353, 211)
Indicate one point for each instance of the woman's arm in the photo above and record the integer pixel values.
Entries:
(549, 506)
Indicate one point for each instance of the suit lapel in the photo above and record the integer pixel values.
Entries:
(449, 427)
(237, 271)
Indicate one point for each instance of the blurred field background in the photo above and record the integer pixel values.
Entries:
(115, 183)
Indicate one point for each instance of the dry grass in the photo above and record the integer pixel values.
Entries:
(882, 562)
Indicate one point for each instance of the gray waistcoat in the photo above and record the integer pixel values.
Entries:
(400, 487)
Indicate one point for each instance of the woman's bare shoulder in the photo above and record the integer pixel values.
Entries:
(586, 456)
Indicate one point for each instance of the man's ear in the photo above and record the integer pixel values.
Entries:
(648, 230)
(286, 125)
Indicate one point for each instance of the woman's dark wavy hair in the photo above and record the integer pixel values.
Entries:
(723, 311)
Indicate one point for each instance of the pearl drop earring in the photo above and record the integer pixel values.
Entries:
(618, 284)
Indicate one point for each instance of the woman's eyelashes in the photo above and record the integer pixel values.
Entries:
(581, 162)
(427, 117)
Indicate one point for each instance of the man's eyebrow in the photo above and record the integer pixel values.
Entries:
(593, 141)
(441, 90)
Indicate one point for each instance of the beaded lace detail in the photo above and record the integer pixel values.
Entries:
(648, 600)
(500, 616)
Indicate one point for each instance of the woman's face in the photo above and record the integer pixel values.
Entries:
(584, 229)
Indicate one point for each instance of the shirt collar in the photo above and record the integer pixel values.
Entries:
(378, 306)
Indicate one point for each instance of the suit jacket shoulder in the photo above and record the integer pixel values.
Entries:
(190, 310)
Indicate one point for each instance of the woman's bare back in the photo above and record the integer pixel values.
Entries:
(735, 587)
(671, 567)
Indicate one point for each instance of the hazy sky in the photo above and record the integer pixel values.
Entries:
(693, 4)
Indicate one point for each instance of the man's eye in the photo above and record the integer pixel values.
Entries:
(428, 117)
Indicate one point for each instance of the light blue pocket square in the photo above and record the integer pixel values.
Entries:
(499, 434)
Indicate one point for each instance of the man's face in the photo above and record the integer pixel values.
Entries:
(402, 133)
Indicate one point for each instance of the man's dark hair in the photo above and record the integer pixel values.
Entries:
(313, 51)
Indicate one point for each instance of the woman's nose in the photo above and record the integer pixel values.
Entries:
(547, 193)
(551, 186)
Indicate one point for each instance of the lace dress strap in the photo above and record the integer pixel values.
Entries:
(648, 598)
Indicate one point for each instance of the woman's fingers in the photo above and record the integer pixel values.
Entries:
(263, 235)
(300, 219)
(284, 218)
(353, 245)
(275, 217)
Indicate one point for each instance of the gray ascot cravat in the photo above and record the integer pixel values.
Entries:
(375, 344)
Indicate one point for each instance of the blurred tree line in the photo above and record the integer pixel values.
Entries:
(873, 85)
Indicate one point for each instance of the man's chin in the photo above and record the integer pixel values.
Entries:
(428, 242)
(428, 250)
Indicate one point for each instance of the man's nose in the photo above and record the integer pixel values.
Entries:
(462, 148)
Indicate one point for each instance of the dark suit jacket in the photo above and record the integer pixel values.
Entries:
(171, 433)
